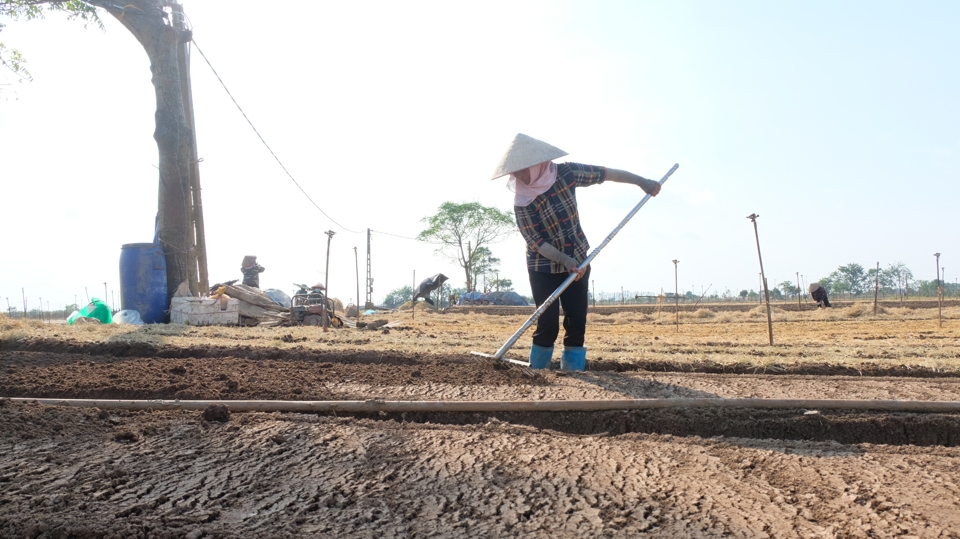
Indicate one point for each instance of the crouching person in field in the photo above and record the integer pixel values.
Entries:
(819, 294)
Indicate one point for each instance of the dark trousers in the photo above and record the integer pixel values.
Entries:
(574, 303)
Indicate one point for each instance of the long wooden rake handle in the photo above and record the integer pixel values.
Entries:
(556, 294)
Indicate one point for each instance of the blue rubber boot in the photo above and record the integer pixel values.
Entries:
(540, 357)
(574, 358)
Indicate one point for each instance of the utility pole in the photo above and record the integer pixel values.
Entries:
(198, 252)
(676, 294)
(766, 291)
(369, 302)
(326, 282)
(939, 295)
(413, 297)
(356, 262)
(104, 292)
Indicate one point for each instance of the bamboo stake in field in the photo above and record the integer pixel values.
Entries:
(799, 292)
(676, 294)
(939, 295)
(766, 291)
(876, 289)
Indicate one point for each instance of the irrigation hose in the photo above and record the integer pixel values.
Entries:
(506, 406)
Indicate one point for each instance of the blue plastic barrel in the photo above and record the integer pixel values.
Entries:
(143, 281)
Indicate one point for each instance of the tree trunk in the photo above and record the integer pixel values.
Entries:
(467, 266)
(147, 21)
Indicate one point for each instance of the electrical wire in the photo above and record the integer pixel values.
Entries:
(285, 168)
(407, 237)
(268, 146)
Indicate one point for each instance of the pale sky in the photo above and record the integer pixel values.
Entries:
(838, 123)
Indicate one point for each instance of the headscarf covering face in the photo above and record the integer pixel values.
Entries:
(542, 177)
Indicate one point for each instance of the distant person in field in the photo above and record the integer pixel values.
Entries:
(427, 286)
(819, 294)
(251, 271)
(545, 205)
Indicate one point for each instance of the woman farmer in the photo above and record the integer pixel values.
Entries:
(545, 205)
(819, 294)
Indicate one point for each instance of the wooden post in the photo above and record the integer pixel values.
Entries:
(766, 291)
(198, 255)
(676, 294)
(326, 284)
(939, 295)
(799, 292)
(876, 289)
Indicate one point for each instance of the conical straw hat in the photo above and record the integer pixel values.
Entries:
(813, 287)
(524, 152)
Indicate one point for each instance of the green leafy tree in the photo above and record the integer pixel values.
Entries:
(12, 58)
(838, 284)
(744, 294)
(462, 230)
(881, 278)
(925, 288)
(788, 287)
(855, 278)
(900, 274)
(485, 267)
(501, 285)
(398, 297)
(151, 23)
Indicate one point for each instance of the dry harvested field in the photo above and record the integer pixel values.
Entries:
(671, 472)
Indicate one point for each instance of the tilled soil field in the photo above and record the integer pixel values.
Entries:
(87, 472)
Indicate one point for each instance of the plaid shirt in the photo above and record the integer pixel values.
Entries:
(552, 217)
